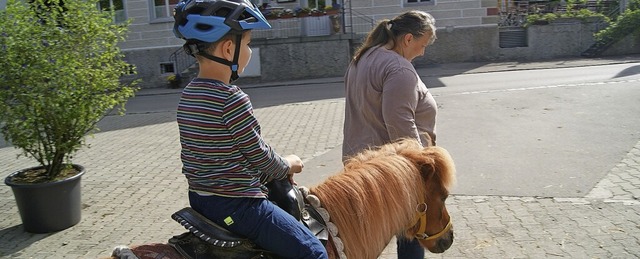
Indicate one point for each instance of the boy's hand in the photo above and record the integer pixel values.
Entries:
(295, 166)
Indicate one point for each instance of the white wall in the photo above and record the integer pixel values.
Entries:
(253, 68)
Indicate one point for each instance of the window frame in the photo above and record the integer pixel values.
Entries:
(167, 68)
(115, 16)
(168, 8)
(406, 3)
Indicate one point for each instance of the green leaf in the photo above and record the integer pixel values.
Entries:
(60, 74)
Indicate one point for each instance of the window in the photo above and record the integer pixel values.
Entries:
(117, 6)
(163, 8)
(512, 37)
(259, 2)
(167, 68)
(419, 2)
(130, 69)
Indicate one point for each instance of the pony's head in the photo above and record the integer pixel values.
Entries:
(380, 192)
(431, 224)
(419, 180)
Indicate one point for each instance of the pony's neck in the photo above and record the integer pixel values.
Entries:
(368, 208)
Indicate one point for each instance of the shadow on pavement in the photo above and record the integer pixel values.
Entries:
(19, 240)
(630, 71)
(156, 106)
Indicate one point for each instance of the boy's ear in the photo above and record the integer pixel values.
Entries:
(227, 48)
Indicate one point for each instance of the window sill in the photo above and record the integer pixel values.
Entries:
(162, 20)
(420, 4)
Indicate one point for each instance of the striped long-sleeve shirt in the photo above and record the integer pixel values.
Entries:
(222, 151)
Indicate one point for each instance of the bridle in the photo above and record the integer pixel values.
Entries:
(421, 218)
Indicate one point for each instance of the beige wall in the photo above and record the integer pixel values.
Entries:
(147, 33)
(448, 13)
(296, 58)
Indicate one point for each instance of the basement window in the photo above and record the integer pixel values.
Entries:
(512, 37)
(166, 68)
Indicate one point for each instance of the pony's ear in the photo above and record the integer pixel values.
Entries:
(436, 161)
(432, 161)
(427, 170)
(442, 165)
(422, 158)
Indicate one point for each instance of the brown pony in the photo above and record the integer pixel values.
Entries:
(395, 189)
(379, 191)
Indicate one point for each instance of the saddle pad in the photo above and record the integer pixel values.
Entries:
(207, 230)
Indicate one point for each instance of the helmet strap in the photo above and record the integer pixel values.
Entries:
(236, 56)
(232, 64)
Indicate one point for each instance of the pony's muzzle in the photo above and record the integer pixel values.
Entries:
(440, 244)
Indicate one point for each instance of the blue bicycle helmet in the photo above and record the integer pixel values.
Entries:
(206, 21)
(210, 20)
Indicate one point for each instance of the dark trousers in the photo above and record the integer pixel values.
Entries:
(409, 249)
(262, 222)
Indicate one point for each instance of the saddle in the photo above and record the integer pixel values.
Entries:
(206, 239)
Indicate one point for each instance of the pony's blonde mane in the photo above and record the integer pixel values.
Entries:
(374, 197)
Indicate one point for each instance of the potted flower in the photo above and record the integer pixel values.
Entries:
(316, 12)
(272, 14)
(302, 12)
(60, 76)
(174, 80)
(332, 9)
(287, 13)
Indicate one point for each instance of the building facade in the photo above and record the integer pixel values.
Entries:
(319, 39)
(151, 43)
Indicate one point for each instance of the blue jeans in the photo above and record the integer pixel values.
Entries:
(261, 221)
(409, 249)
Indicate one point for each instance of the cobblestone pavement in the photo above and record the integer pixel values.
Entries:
(133, 185)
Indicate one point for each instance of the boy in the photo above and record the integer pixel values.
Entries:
(225, 160)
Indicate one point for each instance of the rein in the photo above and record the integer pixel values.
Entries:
(421, 218)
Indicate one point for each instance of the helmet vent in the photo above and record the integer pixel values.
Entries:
(203, 27)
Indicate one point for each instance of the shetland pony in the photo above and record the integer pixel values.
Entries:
(377, 195)
(395, 189)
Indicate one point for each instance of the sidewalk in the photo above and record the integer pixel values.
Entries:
(440, 70)
(133, 184)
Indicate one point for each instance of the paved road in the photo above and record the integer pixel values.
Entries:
(133, 185)
(539, 132)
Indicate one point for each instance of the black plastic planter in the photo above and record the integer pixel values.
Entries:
(48, 207)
